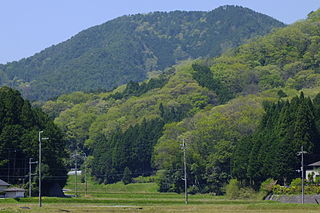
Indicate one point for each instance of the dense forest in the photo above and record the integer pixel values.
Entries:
(20, 124)
(219, 106)
(271, 151)
(244, 115)
(127, 48)
(273, 67)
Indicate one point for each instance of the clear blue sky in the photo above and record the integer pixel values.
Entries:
(29, 26)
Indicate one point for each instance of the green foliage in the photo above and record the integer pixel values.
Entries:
(233, 189)
(296, 182)
(127, 176)
(296, 189)
(210, 136)
(238, 139)
(19, 128)
(282, 94)
(127, 48)
(131, 149)
(266, 186)
(284, 128)
(206, 78)
(136, 89)
(145, 179)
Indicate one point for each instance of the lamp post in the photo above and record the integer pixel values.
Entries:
(40, 139)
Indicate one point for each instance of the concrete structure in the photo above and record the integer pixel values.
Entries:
(315, 199)
(14, 192)
(315, 171)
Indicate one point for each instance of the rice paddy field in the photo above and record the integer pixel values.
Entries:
(144, 198)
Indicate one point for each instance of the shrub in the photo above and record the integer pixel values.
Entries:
(296, 182)
(233, 189)
(266, 186)
(317, 180)
(143, 179)
(193, 190)
(247, 193)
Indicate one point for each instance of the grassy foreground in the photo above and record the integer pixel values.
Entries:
(144, 198)
(215, 206)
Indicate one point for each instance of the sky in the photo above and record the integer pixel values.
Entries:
(29, 26)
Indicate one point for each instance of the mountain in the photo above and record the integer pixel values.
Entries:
(211, 103)
(128, 47)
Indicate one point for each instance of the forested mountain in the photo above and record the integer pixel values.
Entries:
(128, 47)
(19, 127)
(213, 104)
(271, 152)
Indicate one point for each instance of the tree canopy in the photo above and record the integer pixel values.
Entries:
(20, 124)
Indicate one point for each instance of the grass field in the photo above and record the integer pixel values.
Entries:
(144, 198)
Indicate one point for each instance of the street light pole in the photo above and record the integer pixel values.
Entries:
(40, 139)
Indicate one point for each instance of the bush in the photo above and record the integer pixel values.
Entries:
(247, 193)
(296, 182)
(233, 189)
(193, 190)
(266, 186)
(142, 179)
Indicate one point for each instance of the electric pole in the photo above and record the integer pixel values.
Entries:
(75, 167)
(40, 139)
(302, 174)
(30, 163)
(185, 171)
(85, 173)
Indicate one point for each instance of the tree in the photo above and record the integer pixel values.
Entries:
(127, 176)
(19, 127)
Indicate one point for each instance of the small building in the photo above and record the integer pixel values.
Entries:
(73, 172)
(315, 171)
(3, 186)
(14, 192)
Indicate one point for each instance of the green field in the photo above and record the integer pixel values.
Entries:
(143, 197)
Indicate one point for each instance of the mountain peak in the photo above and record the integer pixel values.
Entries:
(128, 47)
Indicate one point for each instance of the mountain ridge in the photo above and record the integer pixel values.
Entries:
(126, 48)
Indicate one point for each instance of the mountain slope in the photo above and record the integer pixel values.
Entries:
(211, 103)
(128, 47)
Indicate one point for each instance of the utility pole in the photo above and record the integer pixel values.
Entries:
(76, 173)
(75, 168)
(40, 139)
(302, 174)
(85, 174)
(85, 179)
(185, 172)
(8, 179)
(30, 163)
